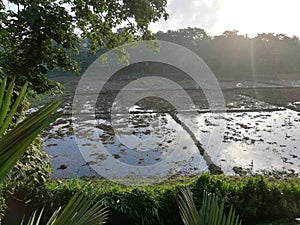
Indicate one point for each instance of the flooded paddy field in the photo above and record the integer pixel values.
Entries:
(259, 133)
(146, 142)
(249, 142)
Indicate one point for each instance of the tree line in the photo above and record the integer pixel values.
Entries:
(235, 54)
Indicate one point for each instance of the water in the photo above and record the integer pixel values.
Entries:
(161, 148)
(253, 136)
(258, 142)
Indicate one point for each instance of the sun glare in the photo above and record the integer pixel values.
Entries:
(247, 16)
(259, 16)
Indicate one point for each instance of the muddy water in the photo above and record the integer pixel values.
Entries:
(149, 145)
(252, 137)
(256, 142)
(247, 142)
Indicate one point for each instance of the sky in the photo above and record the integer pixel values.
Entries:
(247, 16)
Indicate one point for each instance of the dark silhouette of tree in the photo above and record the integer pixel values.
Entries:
(237, 55)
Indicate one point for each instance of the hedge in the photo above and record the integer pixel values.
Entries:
(256, 198)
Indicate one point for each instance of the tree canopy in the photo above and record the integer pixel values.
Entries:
(238, 55)
(39, 35)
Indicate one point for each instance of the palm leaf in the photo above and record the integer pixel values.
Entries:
(210, 213)
(187, 208)
(14, 143)
(5, 101)
(78, 211)
(7, 112)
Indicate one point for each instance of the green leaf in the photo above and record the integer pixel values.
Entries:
(210, 212)
(14, 143)
(5, 101)
(187, 208)
(13, 109)
(80, 210)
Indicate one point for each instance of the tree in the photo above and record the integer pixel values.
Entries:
(37, 34)
(239, 55)
(230, 34)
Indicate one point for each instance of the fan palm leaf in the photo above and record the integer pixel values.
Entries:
(80, 210)
(210, 213)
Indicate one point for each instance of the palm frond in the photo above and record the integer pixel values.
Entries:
(210, 213)
(79, 211)
(187, 208)
(8, 112)
(14, 143)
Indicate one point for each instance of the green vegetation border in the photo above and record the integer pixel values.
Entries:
(257, 199)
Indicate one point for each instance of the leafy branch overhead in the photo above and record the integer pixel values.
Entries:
(39, 35)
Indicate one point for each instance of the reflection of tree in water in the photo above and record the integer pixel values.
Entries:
(143, 126)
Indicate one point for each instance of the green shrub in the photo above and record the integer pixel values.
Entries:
(33, 166)
(254, 198)
(15, 140)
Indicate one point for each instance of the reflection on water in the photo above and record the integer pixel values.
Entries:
(153, 144)
(142, 139)
(255, 141)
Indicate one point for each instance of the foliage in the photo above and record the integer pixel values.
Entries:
(273, 198)
(137, 205)
(78, 211)
(210, 213)
(33, 166)
(236, 55)
(13, 144)
(39, 35)
(3, 205)
(228, 54)
(8, 109)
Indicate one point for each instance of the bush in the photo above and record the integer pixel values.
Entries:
(254, 198)
(33, 167)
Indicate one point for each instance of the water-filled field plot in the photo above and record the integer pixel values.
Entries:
(257, 134)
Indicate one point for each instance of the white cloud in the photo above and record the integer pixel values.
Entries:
(247, 16)
(190, 13)
(257, 16)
